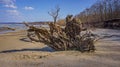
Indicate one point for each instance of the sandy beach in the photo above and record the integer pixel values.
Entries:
(16, 50)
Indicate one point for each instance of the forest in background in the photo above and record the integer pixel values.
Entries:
(102, 10)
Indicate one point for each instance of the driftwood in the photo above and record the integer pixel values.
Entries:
(7, 28)
(68, 38)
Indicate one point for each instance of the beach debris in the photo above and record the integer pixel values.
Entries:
(67, 38)
(6, 28)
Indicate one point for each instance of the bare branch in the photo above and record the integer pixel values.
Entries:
(54, 13)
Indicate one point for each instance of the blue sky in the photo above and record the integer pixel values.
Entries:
(37, 10)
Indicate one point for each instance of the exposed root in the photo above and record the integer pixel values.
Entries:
(68, 38)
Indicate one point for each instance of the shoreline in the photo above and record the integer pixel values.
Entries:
(9, 31)
(6, 31)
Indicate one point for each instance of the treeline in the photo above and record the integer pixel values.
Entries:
(102, 10)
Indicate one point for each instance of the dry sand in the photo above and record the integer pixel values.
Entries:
(16, 50)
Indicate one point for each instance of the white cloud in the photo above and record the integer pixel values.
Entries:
(8, 3)
(13, 12)
(11, 6)
(28, 8)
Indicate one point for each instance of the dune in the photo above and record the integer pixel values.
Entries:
(16, 50)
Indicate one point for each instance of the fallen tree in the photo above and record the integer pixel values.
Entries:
(67, 38)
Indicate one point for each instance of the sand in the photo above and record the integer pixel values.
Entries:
(16, 50)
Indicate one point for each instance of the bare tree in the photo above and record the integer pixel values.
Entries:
(54, 13)
(101, 11)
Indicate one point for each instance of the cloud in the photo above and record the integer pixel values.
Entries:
(14, 15)
(28, 8)
(8, 3)
(13, 12)
(11, 6)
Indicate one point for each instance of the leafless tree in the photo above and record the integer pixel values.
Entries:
(54, 13)
(102, 10)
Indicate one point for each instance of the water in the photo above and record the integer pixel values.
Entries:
(17, 27)
(14, 26)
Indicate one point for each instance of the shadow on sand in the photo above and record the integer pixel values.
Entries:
(25, 40)
(45, 49)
